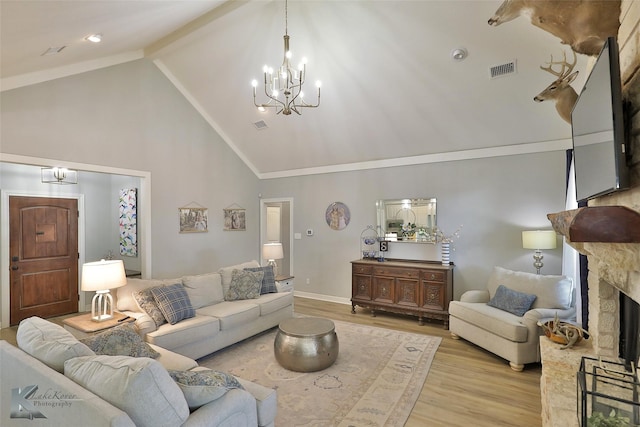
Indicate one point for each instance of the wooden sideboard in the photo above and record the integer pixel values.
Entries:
(419, 288)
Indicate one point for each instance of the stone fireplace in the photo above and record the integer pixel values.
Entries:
(614, 267)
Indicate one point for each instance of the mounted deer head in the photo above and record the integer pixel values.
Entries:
(560, 90)
(582, 24)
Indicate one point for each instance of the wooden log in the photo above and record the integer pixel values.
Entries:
(603, 224)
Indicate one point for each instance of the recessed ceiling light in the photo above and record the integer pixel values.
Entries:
(459, 54)
(94, 38)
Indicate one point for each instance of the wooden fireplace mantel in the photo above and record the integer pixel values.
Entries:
(602, 224)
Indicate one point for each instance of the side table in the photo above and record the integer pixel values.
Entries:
(284, 283)
(82, 326)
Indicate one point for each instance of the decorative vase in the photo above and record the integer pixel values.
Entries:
(446, 250)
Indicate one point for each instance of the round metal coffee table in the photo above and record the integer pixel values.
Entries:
(306, 344)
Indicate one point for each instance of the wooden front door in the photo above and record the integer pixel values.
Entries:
(43, 246)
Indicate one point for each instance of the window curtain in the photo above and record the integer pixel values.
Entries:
(574, 264)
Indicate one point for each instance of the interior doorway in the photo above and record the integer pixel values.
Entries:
(276, 225)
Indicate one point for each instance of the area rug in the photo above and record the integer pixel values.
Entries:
(375, 381)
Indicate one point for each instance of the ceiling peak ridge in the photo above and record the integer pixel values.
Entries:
(452, 156)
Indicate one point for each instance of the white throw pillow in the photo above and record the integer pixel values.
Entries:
(141, 387)
(49, 343)
(551, 291)
(204, 289)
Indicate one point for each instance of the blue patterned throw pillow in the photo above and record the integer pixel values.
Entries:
(268, 281)
(244, 285)
(202, 387)
(514, 302)
(147, 303)
(173, 302)
(122, 340)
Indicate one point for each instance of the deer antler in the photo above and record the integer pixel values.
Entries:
(564, 73)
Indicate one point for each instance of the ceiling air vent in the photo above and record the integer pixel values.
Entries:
(502, 69)
(260, 125)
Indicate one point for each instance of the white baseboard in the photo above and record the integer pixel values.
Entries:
(321, 297)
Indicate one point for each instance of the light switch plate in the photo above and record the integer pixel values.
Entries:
(297, 236)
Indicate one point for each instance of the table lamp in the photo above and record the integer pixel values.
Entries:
(100, 276)
(271, 252)
(538, 240)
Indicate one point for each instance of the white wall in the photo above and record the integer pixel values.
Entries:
(494, 199)
(130, 116)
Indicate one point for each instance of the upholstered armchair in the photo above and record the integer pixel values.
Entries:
(503, 318)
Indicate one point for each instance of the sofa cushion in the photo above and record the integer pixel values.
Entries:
(123, 340)
(49, 343)
(185, 332)
(233, 314)
(550, 291)
(175, 361)
(268, 281)
(498, 322)
(125, 300)
(244, 285)
(147, 304)
(226, 272)
(204, 289)
(173, 302)
(271, 303)
(203, 386)
(139, 386)
(266, 401)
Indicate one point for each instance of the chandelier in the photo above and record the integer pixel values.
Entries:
(284, 88)
(58, 176)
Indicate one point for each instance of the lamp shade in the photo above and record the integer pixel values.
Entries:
(103, 275)
(539, 239)
(272, 251)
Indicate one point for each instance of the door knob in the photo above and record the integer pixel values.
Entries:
(14, 267)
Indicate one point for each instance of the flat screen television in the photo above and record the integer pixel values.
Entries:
(598, 130)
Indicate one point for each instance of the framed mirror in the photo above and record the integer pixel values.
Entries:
(407, 220)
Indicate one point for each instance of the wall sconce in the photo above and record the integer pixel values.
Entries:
(538, 240)
(272, 252)
(58, 176)
(100, 276)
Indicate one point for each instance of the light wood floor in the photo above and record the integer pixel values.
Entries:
(466, 386)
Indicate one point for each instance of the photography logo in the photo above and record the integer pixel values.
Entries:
(28, 403)
(21, 406)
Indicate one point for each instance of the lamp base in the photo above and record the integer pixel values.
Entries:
(272, 263)
(537, 260)
(102, 306)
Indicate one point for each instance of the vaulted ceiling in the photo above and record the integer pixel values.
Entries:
(391, 93)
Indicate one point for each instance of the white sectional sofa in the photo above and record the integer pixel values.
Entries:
(507, 324)
(217, 323)
(54, 379)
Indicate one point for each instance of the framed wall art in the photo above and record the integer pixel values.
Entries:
(235, 219)
(194, 220)
(128, 221)
(337, 216)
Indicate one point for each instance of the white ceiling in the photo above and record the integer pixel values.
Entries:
(391, 94)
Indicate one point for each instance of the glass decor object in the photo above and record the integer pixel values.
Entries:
(368, 243)
(607, 394)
